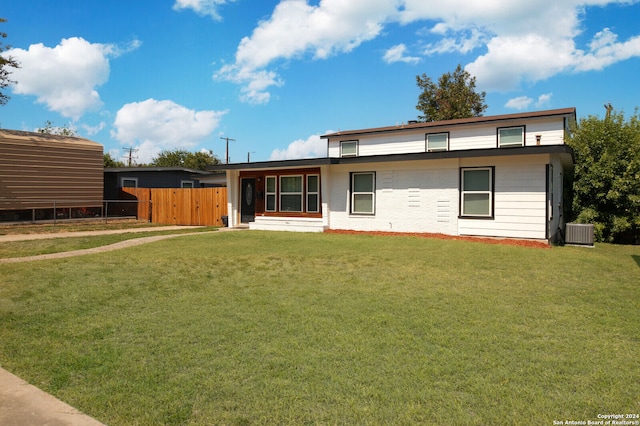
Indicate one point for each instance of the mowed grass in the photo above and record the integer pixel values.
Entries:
(286, 328)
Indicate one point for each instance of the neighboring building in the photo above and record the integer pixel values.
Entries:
(156, 177)
(46, 176)
(500, 176)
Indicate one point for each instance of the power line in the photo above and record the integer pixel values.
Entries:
(130, 155)
(227, 139)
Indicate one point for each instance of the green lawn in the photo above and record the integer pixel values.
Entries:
(57, 245)
(286, 328)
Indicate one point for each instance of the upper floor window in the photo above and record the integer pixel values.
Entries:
(437, 142)
(348, 148)
(511, 136)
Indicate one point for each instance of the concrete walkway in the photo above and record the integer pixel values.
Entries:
(22, 404)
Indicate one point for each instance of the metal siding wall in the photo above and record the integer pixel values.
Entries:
(36, 170)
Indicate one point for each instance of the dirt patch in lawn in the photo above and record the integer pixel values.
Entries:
(486, 240)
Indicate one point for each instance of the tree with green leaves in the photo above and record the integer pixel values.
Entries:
(6, 62)
(454, 96)
(182, 158)
(50, 129)
(110, 162)
(606, 189)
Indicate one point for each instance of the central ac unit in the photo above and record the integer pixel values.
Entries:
(579, 234)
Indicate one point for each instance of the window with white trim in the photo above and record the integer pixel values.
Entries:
(510, 136)
(313, 193)
(476, 193)
(348, 148)
(187, 184)
(126, 182)
(271, 194)
(437, 142)
(363, 193)
(291, 193)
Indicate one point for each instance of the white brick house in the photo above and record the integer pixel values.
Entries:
(498, 176)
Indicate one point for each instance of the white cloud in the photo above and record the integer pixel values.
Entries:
(295, 29)
(65, 78)
(152, 126)
(202, 7)
(523, 102)
(312, 147)
(92, 130)
(605, 50)
(464, 43)
(398, 54)
(543, 100)
(526, 41)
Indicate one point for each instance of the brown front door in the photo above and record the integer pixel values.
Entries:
(248, 200)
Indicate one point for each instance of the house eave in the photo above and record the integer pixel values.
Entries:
(563, 150)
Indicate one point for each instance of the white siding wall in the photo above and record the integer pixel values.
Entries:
(479, 136)
(520, 199)
(425, 197)
(410, 197)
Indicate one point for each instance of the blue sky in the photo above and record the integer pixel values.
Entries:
(276, 74)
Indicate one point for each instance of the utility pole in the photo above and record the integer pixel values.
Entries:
(227, 139)
(609, 108)
(130, 155)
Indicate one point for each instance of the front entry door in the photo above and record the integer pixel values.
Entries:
(248, 201)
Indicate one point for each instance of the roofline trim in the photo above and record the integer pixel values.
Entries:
(416, 156)
(456, 122)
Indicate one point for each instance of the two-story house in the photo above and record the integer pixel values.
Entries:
(500, 176)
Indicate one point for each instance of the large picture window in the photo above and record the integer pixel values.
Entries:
(363, 193)
(437, 142)
(476, 195)
(511, 136)
(290, 193)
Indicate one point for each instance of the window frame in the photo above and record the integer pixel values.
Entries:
(426, 142)
(354, 193)
(133, 179)
(316, 193)
(301, 193)
(511, 145)
(273, 193)
(187, 182)
(490, 192)
(356, 146)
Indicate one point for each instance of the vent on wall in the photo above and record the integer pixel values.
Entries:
(579, 234)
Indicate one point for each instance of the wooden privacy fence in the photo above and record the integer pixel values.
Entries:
(172, 206)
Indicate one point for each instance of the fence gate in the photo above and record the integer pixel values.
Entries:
(172, 206)
(193, 206)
